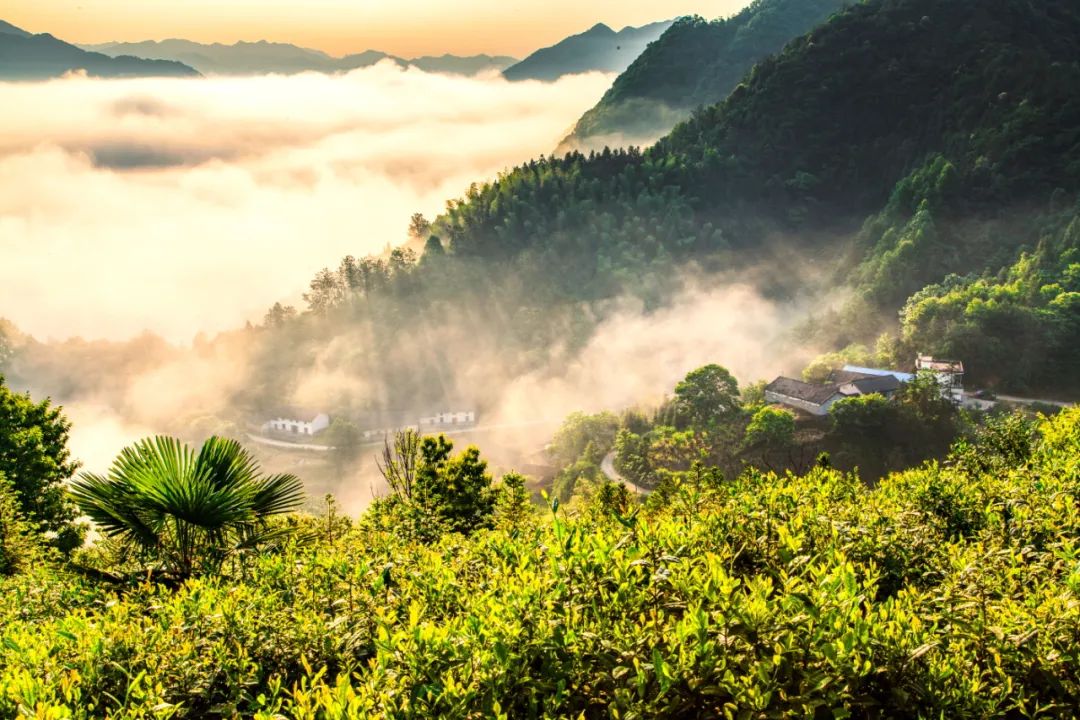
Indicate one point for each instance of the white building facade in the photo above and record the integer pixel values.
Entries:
(949, 374)
(449, 417)
(297, 424)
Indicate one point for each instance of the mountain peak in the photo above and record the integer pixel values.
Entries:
(597, 49)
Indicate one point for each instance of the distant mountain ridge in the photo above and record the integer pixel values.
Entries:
(9, 29)
(599, 49)
(243, 58)
(695, 62)
(25, 56)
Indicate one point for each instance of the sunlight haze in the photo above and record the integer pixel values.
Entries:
(408, 28)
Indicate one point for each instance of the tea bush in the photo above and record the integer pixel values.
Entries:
(949, 590)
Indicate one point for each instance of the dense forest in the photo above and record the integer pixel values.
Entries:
(906, 175)
(920, 157)
(694, 63)
(924, 154)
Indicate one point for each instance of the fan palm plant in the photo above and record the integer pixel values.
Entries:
(186, 511)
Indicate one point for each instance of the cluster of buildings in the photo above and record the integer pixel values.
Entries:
(373, 426)
(853, 380)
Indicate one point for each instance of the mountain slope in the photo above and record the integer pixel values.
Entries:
(597, 49)
(244, 58)
(35, 57)
(929, 136)
(827, 129)
(7, 28)
(694, 63)
(216, 58)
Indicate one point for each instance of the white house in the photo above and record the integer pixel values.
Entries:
(949, 374)
(814, 399)
(449, 417)
(298, 422)
(377, 425)
(819, 399)
(855, 380)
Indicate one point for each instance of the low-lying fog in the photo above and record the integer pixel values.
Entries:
(182, 206)
(191, 206)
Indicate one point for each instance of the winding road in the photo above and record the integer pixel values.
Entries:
(607, 466)
(1034, 401)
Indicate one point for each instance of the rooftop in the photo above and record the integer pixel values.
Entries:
(925, 362)
(867, 385)
(876, 371)
(789, 387)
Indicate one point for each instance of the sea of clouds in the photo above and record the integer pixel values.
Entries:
(191, 205)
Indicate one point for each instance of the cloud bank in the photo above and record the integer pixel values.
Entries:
(182, 206)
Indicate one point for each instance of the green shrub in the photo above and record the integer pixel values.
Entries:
(943, 591)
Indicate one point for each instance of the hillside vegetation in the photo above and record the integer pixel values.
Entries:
(854, 131)
(946, 591)
(920, 158)
(694, 63)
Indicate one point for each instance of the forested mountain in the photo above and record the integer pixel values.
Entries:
(821, 135)
(598, 49)
(266, 57)
(24, 56)
(920, 156)
(901, 142)
(694, 63)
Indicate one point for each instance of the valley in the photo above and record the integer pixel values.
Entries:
(328, 390)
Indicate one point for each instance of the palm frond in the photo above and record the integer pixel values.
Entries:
(278, 494)
(189, 509)
(117, 509)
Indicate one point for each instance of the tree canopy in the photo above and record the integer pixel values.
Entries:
(35, 459)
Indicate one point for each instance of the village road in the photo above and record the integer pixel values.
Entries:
(607, 466)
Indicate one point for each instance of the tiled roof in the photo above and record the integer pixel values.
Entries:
(817, 394)
(882, 384)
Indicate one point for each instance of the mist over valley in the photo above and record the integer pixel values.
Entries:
(329, 390)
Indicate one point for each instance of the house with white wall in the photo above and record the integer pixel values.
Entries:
(949, 374)
(808, 397)
(377, 425)
(855, 380)
(445, 418)
(297, 421)
(819, 399)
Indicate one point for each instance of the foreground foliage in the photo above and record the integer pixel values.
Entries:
(947, 591)
(36, 462)
(184, 511)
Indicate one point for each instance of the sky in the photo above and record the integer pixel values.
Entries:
(407, 28)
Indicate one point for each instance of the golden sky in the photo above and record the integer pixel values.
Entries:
(402, 27)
